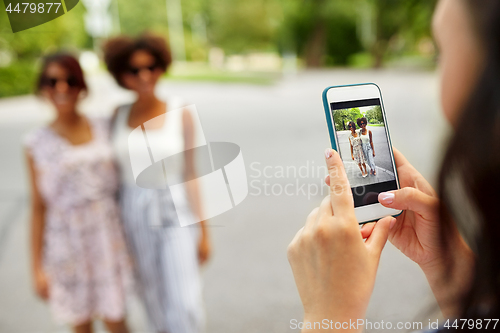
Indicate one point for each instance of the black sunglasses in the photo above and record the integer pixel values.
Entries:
(351, 126)
(362, 123)
(51, 82)
(136, 70)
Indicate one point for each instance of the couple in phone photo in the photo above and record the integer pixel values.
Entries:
(362, 149)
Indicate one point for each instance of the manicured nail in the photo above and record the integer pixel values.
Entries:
(328, 153)
(393, 222)
(386, 198)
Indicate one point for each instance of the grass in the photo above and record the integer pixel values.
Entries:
(202, 72)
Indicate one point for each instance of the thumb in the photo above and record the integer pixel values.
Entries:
(340, 191)
(409, 198)
(376, 241)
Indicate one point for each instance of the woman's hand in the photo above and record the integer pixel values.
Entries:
(334, 268)
(352, 156)
(204, 248)
(417, 234)
(41, 284)
(373, 153)
(417, 228)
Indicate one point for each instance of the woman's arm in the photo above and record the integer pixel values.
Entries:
(204, 247)
(416, 235)
(37, 232)
(333, 267)
(352, 151)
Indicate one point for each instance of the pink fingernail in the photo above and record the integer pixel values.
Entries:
(386, 198)
(393, 222)
(328, 153)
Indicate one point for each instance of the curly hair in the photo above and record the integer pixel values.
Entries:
(359, 120)
(118, 50)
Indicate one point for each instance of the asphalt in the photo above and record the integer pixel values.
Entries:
(383, 161)
(248, 284)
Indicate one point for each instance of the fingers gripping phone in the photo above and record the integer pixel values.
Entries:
(358, 129)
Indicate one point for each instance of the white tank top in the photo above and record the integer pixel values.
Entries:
(166, 140)
(365, 138)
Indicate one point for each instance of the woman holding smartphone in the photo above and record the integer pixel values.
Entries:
(167, 256)
(367, 142)
(357, 153)
(79, 255)
(463, 267)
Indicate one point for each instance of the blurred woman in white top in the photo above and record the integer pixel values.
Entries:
(167, 256)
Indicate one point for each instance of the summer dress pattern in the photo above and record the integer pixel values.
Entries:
(84, 252)
(357, 149)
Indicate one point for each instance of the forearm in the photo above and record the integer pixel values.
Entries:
(195, 202)
(193, 193)
(37, 232)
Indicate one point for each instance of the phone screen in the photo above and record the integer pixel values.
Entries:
(363, 144)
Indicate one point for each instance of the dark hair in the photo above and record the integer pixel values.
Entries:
(359, 120)
(69, 63)
(118, 50)
(351, 123)
(469, 185)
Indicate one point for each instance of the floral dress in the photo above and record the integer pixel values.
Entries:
(357, 149)
(84, 253)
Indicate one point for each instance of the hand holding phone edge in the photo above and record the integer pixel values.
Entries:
(329, 285)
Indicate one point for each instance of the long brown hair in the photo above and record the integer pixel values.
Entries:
(469, 180)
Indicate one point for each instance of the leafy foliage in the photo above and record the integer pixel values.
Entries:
(342, 117)
(374, 115)
(320, 32)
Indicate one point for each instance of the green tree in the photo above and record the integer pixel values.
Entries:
(322, 32)
(342, 117)
(409, 19)
(239, 26)
(25, 48)
(375, 115)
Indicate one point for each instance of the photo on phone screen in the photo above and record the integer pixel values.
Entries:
(363, 144)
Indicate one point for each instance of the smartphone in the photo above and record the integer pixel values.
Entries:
(357, 124)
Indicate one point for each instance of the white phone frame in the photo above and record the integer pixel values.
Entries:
(373, 212)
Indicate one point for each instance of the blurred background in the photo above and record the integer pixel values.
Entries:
(255, 70)
(232, 40)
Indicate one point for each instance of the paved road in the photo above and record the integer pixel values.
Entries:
(382, 158)
(281, 129)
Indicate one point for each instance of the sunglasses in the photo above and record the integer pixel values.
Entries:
(51, 82)
(136, 70)
(362, 123)
(351, 126)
